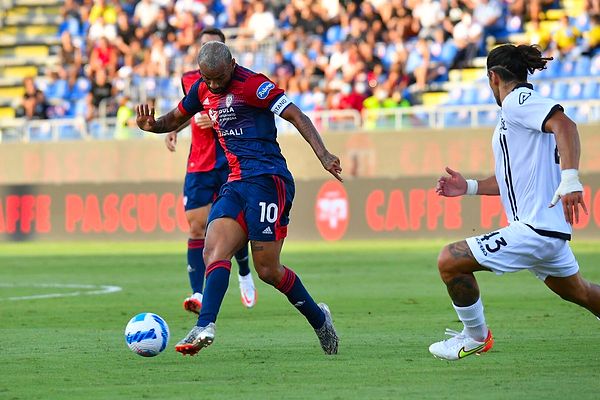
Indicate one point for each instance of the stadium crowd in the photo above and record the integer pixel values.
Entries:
(328, 54)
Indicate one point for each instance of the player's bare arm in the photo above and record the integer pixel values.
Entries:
(308, 131)
(454, 184)
(169, 122)
(570, 189)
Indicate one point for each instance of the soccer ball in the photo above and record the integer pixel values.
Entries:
(147, 334)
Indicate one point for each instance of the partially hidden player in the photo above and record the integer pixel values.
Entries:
(207, 171)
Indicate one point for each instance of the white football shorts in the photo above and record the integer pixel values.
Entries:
(517, 247)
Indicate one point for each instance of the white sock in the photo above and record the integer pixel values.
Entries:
(197, 296)
(473, 319)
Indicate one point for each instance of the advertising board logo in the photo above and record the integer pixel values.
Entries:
(332, 211)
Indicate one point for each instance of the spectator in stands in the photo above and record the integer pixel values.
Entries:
(69, 53)
(126, 127)
(468, 37)
(490, 15)
(103, 57)
(566, 37)
(592, 37)
(125, 33)
(145, 15)
(103, 9)
(535, 34)
(33, 104)
(428, 15)
(100, 95)
(261, 22)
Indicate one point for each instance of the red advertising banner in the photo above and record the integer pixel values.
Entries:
(322, 210)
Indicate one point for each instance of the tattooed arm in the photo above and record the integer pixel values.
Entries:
(169, 122)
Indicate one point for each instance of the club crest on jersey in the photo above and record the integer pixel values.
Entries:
(523, 97)
(229, 100)
(263, 90)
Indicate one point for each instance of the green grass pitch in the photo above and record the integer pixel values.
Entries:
(388, 305)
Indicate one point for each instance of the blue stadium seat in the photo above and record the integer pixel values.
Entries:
(582, 66)
(590, 90)
(595, 65)
(544, 88)
(334, 34)
(559, 90)
(574, 92)
(469, 95)
(567, 69)
(454, 96)
(552, 70)
(448, 54)
(69, 132)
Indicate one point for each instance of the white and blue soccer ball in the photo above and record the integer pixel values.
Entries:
(147, 334)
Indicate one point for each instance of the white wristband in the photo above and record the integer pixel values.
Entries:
(569, 183)
(472, 186)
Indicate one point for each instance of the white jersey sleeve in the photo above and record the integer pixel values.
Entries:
(525, 107)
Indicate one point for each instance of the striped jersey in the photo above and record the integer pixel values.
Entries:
(527, 163)
(243, 117)
(205, 154)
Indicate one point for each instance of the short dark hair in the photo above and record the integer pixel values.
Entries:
(213, 31)
(514, 63)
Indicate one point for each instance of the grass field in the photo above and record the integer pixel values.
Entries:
(387, 302)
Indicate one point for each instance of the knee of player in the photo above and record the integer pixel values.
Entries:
(267, 273)
(197, 229)
(445, 264)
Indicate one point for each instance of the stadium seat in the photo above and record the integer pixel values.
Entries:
(559, 90)
(582, 66)
(545, 88)
(470, 95)
(590, 90)
(552, 70)
(595, 65)
(567, 68)
(334, 34)
(454, 96)
(574, 92)
(69, 132)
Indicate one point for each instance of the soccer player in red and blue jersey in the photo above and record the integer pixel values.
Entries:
(207, 171)
(255, 202)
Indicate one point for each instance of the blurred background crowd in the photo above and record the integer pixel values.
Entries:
(327, 54)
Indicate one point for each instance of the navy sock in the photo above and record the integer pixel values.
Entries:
(196, 265)
(217, 281)
(242, 259)
(292, 287)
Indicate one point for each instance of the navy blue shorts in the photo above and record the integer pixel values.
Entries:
(201, 188)
(260, 204)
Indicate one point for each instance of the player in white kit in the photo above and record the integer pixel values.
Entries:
(536, 150)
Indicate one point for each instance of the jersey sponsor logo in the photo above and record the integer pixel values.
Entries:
(230, 132)
(523, 96)
(264, 89)
(206, 102)
(228, 100)
(332, 211)
(267, 231)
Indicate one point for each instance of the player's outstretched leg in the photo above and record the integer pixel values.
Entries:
(576, 290)
(318, 316)
(248, 292)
